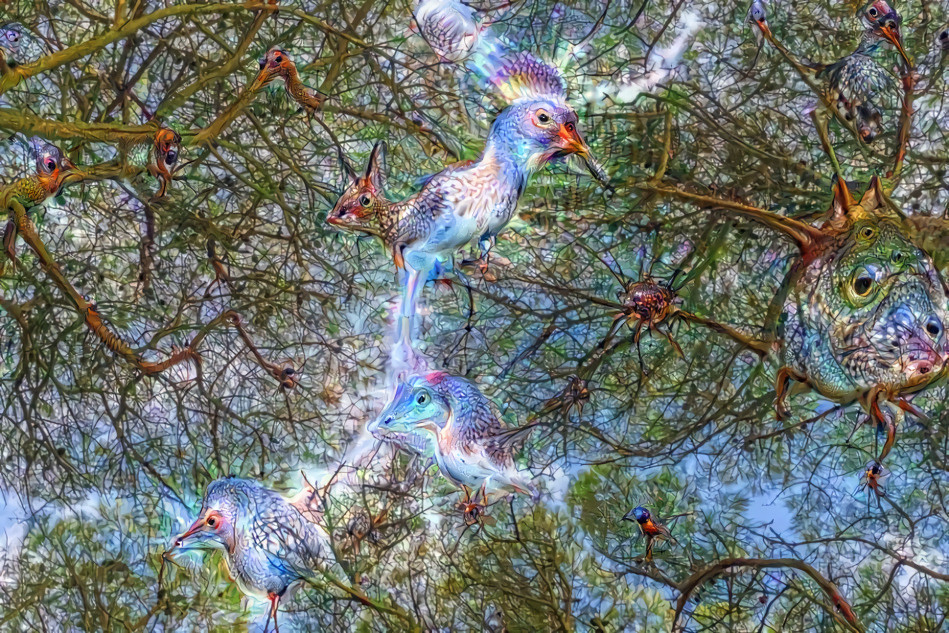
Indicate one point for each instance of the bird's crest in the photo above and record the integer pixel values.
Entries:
(436, 377)
(524, 76)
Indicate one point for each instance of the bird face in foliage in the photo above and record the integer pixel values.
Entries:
(416, 408)
(53, 169)
(275, 63)
(167, 147)
(540, 130)
(214, 529)
(885, 22)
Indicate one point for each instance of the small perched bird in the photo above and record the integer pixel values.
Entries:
(159, 157)
(268, 545)
(278, 63)
(650, 528)
(758, 15)
(10, 40)
(478, 199)
(460, 428)
(874, 476)
(857, 81)
(53, 172)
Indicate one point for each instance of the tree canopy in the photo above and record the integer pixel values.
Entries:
(218, 325)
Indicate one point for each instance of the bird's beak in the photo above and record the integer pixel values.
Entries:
(629, 516)
(893, 35)
(765, 29)
(570, 141)
(195, 527)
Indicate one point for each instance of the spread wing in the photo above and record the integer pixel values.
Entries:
(523, 76)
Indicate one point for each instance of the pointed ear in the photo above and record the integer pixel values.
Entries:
(376, 171)
(874, 197)
(348, 170)
(841, 204)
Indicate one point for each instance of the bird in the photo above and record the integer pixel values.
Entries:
(462, 430)
(650, 528)
(159, 156)
(278, 63)
(450, 27)
(758, 15)
(873, 478)
(11, 37)
(476, 200)
(53, 172)
(857, 82)
(270, 547)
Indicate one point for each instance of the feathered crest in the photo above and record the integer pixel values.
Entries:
(523, 76)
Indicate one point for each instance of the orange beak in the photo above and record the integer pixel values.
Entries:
(763, 25)
(892, 34)
(570, 141)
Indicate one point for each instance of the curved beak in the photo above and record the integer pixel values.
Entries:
(891, 31)
(570, 141)
(629, 516)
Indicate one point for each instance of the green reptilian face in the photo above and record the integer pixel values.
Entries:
(869, 310)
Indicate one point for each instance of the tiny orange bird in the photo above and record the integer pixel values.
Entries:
(650, 528)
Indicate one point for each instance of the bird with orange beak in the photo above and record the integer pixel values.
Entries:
(477, 200)
(857, 82)
(53, 172)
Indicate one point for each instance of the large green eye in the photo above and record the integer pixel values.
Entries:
(868, 232)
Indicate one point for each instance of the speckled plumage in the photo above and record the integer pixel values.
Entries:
(267, 543)
(857, 82)
(460, 428)
(277, 63)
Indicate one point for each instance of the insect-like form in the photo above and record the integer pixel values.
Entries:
(278, 63)
(53, 172)
(864, 309)
(450, 27)
(477, 200)
(268, 545)
(462, 430)
(650, 528)
(647, 304)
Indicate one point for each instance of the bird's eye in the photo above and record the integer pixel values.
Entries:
(862, 285)
(867, 232)
(873, 12)
(212, 521)
(944, 35)
(50, 164)
(365, 200)
(543, 117)
(422, 399)
(171, 156)
(571, 127)
(278, 59)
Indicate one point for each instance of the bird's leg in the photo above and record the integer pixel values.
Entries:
(274, 601)
(486, 243)
(675, 344)
(782, 382)
(649, 544)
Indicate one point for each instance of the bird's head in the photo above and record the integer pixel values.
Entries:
(53, 168)
(638, 514)
(758, 15)
(275, 63)
(540, 130)
(215, 527)
(884, 22)
(167, 147)
(943, 39)
(360, 203)
(416, 407)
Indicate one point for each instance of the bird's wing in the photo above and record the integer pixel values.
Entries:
(290, 541)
